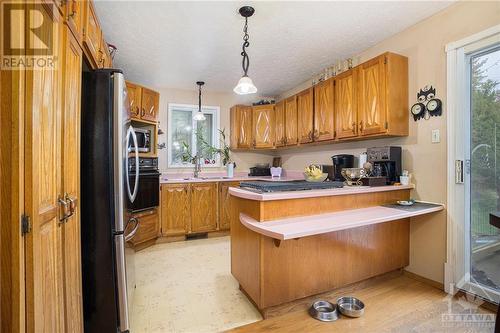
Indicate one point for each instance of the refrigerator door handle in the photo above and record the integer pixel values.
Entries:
(132, 195)
(121, 279)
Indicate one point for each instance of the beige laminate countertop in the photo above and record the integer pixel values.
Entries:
(211, 179)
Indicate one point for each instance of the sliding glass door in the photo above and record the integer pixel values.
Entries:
(482, 173)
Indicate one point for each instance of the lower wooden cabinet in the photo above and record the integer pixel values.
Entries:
(203, 207)
(149, 226)
(224, 209)
(175, 209)
(189, 208)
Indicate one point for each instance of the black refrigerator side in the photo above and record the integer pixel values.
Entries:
(100, 306)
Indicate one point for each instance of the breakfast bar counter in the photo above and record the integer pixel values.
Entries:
(289, 245)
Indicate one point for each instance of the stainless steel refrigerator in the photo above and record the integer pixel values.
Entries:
(107, 261)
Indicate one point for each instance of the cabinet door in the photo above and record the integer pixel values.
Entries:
(91, 35)
(291, 138)
(175, 209)
(305, 112)
(323, 111)
(245, 127)
(345, 105)
(224, 202)
(72, 76)
(134, 99)
(279, 120)
(149, 226)
(263, 126)
(74, 15)
(42, 188)
(371, 97)
(203, 207)
(150, 101)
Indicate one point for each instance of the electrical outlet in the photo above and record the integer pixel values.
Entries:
(436, 136)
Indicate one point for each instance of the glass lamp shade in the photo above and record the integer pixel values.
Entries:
(199, 116)
(245, 86)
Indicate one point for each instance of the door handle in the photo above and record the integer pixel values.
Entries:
(63, 209)
(131, 235)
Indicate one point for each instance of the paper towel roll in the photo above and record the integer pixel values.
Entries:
(362, 159)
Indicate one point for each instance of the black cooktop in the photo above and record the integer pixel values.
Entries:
(294, 185)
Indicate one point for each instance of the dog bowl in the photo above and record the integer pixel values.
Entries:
(351, 306)
(324, 311)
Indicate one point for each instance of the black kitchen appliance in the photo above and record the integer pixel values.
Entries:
(340, 162)
(260, 171)
(108, 183)
(386, 159)
(148, 193)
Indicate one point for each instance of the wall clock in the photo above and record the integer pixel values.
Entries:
(427, 105)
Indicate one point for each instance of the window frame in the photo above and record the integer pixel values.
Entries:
(206, 109)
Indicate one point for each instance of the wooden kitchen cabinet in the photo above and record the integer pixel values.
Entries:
(203, 207)
(134, 99)
(291, 119)
(92, 35)
(372, 113)
(241, 126)
(175, 209)
(224, 202)
(324, 108)
(305, 113)
(346, 115)
(74, 18)
(150, 101)
(105, 60)
(263, 126)
(149, 226)
(279, 128)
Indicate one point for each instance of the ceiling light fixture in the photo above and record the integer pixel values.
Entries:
(245, 85)
(199, 116)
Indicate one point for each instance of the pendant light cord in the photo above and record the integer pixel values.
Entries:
(246, 60)
(199, 98)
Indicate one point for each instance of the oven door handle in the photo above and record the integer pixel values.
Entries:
(132, 194)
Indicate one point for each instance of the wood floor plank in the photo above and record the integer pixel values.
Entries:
(394, 304)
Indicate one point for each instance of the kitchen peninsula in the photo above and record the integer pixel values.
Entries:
(290, 245)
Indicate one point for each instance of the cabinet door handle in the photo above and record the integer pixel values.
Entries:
(143, 112)
(63, 209)
(354, 127)
(73, 9)
(361, 126)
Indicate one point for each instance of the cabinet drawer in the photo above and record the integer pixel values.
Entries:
(148, 226)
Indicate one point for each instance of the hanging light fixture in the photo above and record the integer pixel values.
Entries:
(245, 85)
(199, 116)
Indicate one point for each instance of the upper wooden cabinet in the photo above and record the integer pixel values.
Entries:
(203, 207)
(92, 34)
(279, 128)
(372, 113)
(346, 105)
(175, 209)
(241, 126)
(105, 60)
(74, 11)
(291, 136)
(263, 126)
(324, 107)
(305, 112)
(368, 101)
(143, 102)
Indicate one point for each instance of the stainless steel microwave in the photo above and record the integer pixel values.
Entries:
(143, 140)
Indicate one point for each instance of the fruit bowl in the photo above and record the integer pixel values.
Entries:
(317, 179)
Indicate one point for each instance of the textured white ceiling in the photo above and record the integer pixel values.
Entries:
(175, 44)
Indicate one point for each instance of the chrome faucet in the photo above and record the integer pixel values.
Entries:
(197, 165)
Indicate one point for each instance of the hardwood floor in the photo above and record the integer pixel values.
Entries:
(394, 303)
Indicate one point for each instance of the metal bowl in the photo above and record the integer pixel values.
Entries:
(324, 311)
(351, 306)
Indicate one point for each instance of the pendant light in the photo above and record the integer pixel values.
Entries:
(245, 85)
(199, 116)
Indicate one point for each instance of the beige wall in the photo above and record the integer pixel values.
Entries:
(424, 45)
(224, 101)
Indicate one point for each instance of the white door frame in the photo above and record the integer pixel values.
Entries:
(458, 124)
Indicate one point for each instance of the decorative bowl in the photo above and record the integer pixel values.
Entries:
(315, 180)
(353, 176)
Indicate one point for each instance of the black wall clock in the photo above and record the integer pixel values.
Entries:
(427, 105)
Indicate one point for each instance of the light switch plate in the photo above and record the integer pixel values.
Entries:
(436, 136)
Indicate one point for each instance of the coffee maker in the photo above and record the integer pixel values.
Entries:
(340, 162)
(386, 161)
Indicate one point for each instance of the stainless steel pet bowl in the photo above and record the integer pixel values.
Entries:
(324, 311)
(351, 306)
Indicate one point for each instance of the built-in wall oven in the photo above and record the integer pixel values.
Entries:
(148, 192)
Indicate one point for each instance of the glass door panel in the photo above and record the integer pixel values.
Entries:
(484, 249)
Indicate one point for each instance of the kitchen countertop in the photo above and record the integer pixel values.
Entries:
(250, 195)
(176, 178)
